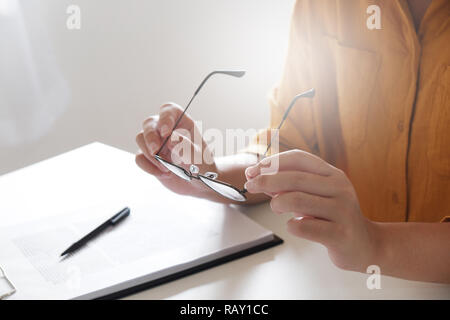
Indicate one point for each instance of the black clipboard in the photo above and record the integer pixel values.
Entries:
(175, 276)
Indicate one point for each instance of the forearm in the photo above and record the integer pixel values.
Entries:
(415, 251)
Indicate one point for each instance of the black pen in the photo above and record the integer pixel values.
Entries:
(109, 223)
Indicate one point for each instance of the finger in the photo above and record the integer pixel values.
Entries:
(151, 135)
(168, 116)
(147, 166)
(303, 204)
(286, 181)
(316, 230)
(143, 146)
(293, 160)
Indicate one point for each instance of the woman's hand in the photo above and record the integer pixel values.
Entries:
(155, 130)
(324, 204)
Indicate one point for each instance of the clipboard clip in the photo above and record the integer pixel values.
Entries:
(9, 283)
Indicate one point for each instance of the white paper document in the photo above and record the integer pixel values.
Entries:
(164, 234)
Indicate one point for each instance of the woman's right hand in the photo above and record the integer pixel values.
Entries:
(155, 130)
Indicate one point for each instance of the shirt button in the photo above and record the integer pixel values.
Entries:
(400, 126)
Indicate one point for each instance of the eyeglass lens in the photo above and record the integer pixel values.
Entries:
(224, 190)
(180, 172)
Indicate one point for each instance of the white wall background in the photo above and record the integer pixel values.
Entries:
(130, 56)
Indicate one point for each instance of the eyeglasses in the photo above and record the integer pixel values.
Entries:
(209, 178)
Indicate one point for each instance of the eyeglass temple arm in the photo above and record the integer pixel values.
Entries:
(237, 74)
(307, 94)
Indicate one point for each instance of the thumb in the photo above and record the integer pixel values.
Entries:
(313, 229)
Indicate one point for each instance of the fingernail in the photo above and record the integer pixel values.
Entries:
(251, 171)
(165, 130)
(153, 147)
(165, 175)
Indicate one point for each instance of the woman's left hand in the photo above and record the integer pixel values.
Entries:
(324, 203)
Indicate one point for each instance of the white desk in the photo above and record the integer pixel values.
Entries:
(298, 269)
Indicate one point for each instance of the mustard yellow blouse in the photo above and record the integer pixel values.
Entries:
(382, 106)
